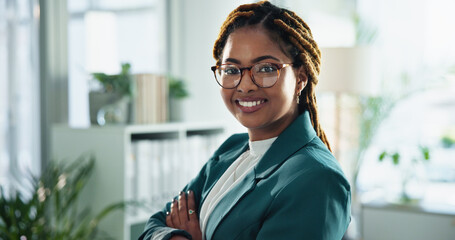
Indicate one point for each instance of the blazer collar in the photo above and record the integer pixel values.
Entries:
(294, 137)
(233, 154)
(298, 134)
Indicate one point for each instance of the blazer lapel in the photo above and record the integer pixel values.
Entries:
(228, 202)
(223, 162)
(293, 138)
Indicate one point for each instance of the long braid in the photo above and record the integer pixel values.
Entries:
(291, 29)
(302, 44)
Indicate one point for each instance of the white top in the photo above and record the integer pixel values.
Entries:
(233, 175)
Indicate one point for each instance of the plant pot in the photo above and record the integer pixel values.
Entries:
(175, 110)
(109, 102)
(413, 182)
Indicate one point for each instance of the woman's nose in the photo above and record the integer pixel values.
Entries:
(246, 82)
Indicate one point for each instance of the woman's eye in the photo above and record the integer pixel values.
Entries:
(231, 71)
(267, 69)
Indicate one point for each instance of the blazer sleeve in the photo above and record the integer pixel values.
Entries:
(321, 210)
(156, 228)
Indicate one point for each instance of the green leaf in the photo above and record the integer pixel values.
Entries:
(177, 88)
(396, 158)
(119, 83)
(425, 152)
(382, 156)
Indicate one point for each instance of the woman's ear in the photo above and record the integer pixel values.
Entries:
(302, 79)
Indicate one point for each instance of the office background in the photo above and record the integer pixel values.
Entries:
(49, 48)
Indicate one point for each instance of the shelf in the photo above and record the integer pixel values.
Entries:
(121, 174)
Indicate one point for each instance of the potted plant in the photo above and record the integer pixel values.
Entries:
(114, 96)
(51, 212)
(177, 92)
(409, 170)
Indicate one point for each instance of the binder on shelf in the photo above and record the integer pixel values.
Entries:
(164, 166)
(143, 175)
(131, 174)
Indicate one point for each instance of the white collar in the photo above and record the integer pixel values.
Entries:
(258, 148)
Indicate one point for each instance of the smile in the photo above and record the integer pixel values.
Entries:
(250, 103)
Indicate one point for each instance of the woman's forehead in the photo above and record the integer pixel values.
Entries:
(248, 43)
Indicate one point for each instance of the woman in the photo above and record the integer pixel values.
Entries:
(279, 181)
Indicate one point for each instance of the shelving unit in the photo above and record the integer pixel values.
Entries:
(113, 148)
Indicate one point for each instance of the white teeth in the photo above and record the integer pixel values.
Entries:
(250, 104)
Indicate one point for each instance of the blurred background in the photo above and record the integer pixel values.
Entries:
(129, 82)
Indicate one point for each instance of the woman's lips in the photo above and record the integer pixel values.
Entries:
(250, 105)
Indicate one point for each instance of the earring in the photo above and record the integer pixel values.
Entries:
(298, 97)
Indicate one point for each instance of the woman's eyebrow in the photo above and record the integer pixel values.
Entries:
(258, 59)
(232, 60)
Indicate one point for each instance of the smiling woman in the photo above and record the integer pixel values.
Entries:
(279, 180)
(278, 105)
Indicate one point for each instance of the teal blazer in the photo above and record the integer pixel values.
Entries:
(296, 191)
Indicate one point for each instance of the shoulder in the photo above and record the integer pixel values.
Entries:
(312, 194)
(314, 164)
(315, 175)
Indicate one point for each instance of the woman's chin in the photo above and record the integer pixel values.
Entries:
(250, 123)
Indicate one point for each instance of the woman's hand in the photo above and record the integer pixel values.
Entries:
(183, 215)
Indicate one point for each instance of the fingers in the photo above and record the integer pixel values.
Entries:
(192, 207)
(183, 209)
(169, 220)
(183, 213)
(175, 213)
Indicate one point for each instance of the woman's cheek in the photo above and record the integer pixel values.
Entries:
(226, 94)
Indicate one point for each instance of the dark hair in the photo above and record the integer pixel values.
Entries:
(290, 29)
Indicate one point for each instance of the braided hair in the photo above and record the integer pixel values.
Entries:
(287, 28)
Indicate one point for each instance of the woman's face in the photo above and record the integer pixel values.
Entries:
(277, 106)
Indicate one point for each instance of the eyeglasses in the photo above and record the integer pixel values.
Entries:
(264, 75)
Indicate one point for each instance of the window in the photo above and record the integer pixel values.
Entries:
(19, 92)
(418, 63)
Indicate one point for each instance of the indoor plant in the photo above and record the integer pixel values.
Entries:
(177, 92)
(51, 212)
(115, 92)
(409, 170)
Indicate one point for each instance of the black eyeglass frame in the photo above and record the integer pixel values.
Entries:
(279, 66)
